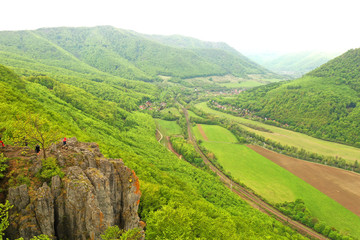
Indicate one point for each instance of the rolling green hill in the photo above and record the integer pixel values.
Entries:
(324, 103)
(121, 53)
(217, 53)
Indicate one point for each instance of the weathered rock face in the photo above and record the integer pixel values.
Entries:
(94, 194)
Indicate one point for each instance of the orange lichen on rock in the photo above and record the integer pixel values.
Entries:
(101, 218)
(142, 224)
(136, 182)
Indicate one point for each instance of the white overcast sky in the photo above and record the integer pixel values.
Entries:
(247, 25)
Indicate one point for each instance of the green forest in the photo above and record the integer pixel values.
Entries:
(84, 83)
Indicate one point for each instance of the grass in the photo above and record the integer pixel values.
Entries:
(273, 182)
(168, 128)
(174, 111)
(287, 137)
(215, 134)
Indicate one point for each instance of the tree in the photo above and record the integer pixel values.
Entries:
(35, 130)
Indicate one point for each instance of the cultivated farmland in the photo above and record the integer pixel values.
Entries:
(273, 182)
(341, 185)
(287, 137)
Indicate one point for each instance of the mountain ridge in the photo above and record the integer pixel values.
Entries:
(123, 53)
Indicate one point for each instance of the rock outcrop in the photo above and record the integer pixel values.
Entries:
(95, 193)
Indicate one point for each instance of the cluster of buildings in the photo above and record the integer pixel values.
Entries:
(245, 113)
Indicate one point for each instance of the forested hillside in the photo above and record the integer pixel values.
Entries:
(324, 103)
(121, 53)
(77, 94)
(215, 52)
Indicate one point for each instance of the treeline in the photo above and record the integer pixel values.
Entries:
(291, 150)
(299, 212)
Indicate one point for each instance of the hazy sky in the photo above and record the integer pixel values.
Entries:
(247, 25)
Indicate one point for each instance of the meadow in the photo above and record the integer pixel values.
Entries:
(168, 128)
(273, 182)
(287, 137)
(174, 111)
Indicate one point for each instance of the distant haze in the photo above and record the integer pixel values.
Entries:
(248, 26)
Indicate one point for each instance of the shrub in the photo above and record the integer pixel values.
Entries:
(49, 169)
(3, 165)
(115, 233)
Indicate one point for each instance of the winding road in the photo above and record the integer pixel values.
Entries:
(249, 197)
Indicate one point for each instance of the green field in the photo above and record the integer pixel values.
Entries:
(287, 137)
(168, 128)
(212, 133)
(174, 111)
(273, 182)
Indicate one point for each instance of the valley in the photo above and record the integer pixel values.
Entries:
(135, 96)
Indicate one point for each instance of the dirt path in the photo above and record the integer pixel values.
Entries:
(158, 135)
(249, 197)
(341, 185)
(170, 147)
(202, 132)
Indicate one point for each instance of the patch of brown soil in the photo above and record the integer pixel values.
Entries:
(202, 132)
(341, 185)
(170, 147)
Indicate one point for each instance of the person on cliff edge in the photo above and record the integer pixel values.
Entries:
(37, 149)
(2, 143)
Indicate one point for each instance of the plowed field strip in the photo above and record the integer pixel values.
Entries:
(341, 185)
(202, 132)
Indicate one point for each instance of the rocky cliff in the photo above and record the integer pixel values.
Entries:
(94, 193)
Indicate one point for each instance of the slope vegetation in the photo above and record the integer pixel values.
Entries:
(217, 53)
